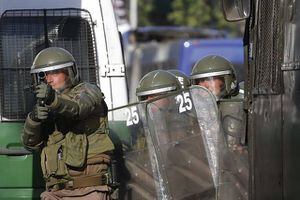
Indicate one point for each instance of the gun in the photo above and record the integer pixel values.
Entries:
(40, 78)
(37, 79)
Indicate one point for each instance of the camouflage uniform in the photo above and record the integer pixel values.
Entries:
(75, 144)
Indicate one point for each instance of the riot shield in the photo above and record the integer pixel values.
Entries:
(185, 155)
(231, 173)
(174, 148)
(134, 167)
(192, 155)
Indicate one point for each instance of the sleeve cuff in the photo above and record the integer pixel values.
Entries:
(31, 121)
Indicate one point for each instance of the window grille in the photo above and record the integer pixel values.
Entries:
(23, 34)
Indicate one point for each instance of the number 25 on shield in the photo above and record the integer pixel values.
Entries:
(185, 102)
(132, 116)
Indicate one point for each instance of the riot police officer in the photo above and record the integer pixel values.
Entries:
(69, 123)
(169, 127)
(156, 83)
(216, 74)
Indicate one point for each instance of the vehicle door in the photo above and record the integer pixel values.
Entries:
(23, 33)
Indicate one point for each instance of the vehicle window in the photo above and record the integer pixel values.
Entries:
(292, 39)
(26, 32)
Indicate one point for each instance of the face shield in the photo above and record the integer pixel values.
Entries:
(69, 69)
(216, 84)
(155, 93)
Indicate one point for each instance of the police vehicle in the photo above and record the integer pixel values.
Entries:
(86, 28)
(272, 93)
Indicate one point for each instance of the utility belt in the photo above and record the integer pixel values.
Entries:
(79, 182)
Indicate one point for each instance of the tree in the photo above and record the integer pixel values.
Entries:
(190, 13)
(154, 12)
(199, 13)
(145, 7)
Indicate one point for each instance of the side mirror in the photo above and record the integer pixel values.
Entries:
(235, 10)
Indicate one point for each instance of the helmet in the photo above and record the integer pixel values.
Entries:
(216, 66)
(182, 78)
(156, 82)
(54, 58)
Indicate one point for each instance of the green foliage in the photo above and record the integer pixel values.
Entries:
(194, 13)
(153, 12)
(190, 13)
(145, 7)
(234, 28)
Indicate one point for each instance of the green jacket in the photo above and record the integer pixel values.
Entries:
(77, 111)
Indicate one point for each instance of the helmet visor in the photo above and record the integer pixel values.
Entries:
(150, 96)
(215, 84)
(51, 68)
(156, 91)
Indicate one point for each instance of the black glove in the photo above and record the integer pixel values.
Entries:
(45, 93)
(39, 113)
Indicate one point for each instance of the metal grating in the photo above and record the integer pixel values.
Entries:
(268, 64)
(26, 32)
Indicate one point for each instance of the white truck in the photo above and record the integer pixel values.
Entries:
(86, 28)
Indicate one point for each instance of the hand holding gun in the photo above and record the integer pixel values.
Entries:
(45, 96)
